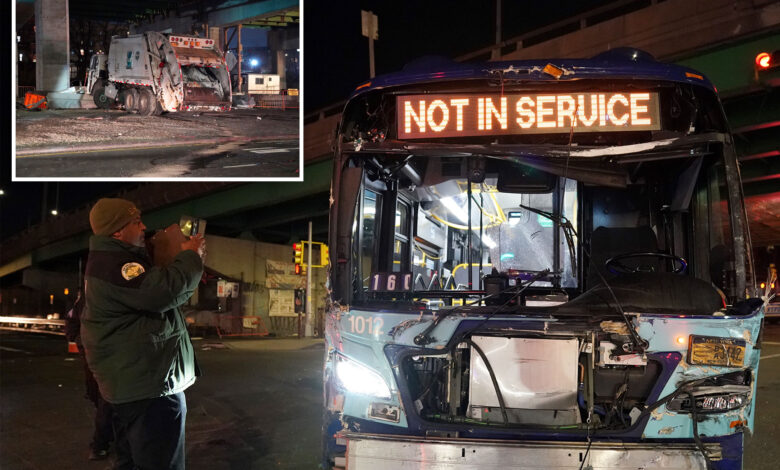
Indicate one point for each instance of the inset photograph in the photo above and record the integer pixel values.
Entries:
(157, 89)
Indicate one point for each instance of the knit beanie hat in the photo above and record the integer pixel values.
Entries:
(109, 215)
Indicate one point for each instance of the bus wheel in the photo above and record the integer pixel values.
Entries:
(129, 98)
(147, 102)
(99, 96)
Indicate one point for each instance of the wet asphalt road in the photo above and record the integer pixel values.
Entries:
(254, 159)
(253, 409)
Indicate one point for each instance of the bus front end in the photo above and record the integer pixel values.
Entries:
(539, 265)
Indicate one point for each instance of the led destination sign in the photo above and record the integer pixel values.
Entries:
(429, 116)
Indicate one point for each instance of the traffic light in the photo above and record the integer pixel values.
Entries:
(298, 258)
(767, 60)
(324, 255)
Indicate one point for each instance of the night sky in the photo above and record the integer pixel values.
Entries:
(21, 204)
(336, 53)
(336, 61)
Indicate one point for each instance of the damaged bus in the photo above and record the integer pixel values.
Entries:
(539, 264)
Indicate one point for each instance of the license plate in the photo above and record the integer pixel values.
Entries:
(708, 350)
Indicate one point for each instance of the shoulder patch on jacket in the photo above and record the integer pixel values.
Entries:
(122, 269)
(132, 270)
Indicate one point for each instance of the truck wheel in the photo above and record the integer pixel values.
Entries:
(147, 102)
(99, 97)
(129, 98)
(158, 110)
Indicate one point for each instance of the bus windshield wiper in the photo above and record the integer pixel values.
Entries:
(568, 232)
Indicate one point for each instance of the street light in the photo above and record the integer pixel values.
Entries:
(54, 212)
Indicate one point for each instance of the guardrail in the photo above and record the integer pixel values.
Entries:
(282, 102)
(33, 325)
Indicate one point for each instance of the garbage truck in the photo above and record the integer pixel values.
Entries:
(152, 73)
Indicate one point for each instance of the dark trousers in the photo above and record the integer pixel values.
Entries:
(104, 413)
(150, 433)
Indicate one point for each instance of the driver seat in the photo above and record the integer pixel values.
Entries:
(608, 242)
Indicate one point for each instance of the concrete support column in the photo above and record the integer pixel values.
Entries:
(52, 45)
(276, 41)
(280, 69)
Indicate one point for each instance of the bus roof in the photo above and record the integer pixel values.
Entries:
(619, 63)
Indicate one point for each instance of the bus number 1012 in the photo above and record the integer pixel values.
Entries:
(362, 325)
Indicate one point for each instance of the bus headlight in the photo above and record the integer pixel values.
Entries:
(357, 378)
(711, 399)
(723, 402)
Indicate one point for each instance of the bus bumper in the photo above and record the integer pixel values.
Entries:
(386, 452)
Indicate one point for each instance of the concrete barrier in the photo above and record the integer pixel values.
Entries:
(71, 98)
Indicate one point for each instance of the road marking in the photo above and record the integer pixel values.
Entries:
(269, 150)
(239, 166)
(773, 343)
(128, 149)
(6, 348)
(771, 356)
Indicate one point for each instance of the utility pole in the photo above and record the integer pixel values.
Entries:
(240, 58)
(309, 331)
(370, 29)
(45, 203)
(496, 53)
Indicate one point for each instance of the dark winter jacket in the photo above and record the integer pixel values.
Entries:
(135, 337)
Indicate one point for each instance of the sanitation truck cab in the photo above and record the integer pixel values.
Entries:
(97, 70)
(539, 264)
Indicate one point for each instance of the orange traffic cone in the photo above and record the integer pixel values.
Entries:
(73, 347)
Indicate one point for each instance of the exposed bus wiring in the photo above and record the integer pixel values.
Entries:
(639, 344)
(424, 337)
(493, 379)
(696, 437)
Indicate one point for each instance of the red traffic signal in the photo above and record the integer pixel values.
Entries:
(763, 60)
(298, 257)
(767, 60)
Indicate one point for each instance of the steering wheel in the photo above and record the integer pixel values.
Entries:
(615, 265)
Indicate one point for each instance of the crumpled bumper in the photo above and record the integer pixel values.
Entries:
(386, 452)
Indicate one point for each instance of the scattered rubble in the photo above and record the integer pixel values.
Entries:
(75, 127)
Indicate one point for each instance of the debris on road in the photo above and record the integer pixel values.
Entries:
(68, 127)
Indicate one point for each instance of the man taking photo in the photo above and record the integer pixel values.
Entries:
(135, 337)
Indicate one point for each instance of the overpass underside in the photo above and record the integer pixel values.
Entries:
(276, 213)
(720, 38)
